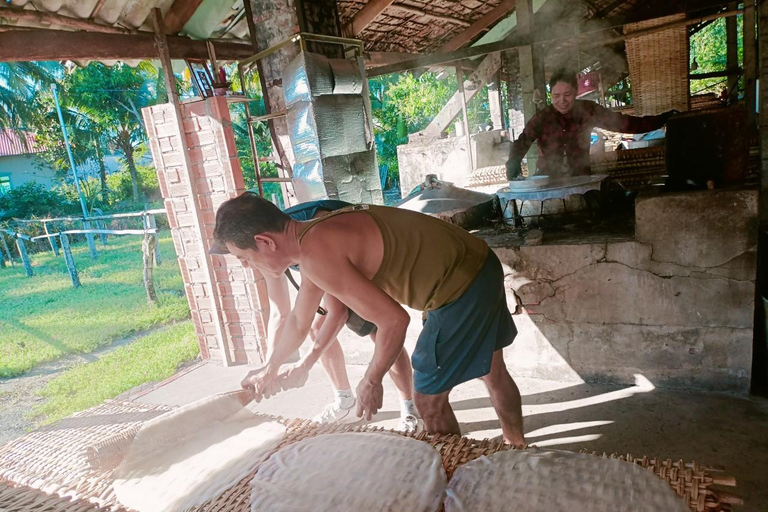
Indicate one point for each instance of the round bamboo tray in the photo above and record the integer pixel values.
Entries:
(66, 467)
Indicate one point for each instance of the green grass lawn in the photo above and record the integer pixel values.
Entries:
(43, 318)
(151, 358)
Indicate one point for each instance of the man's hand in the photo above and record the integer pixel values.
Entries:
(370, 397)
(293, 376)
(514, 169)
(262, 382)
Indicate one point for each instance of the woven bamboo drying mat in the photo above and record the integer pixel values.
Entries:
(55, 460)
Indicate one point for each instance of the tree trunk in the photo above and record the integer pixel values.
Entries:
(127, 148)
(102, 167)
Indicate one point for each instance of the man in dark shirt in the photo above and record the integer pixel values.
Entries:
(563, 130)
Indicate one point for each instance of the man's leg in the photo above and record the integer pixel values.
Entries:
(332, 359)
(505, 398)
(437, 413)
(341, 410)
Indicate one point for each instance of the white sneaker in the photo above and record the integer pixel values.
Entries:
(409, 424)
(335, 413)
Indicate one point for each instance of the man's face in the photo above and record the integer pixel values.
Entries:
(266, 259)
(563, 96)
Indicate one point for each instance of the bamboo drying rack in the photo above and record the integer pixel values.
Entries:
(66, 467)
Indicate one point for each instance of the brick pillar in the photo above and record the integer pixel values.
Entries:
(228, 302)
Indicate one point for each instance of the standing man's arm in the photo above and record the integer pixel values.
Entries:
(622, 123)
(340, 278)
(296, 375)
(520, 147)
(295, 330)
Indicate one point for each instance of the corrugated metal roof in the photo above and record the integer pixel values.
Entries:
(11, 144)
(213, 19)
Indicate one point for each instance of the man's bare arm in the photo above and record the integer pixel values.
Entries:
(340, 278)
(291, 337)
(279, 308)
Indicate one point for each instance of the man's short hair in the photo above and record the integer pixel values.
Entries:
(240, 219)
(565, 76)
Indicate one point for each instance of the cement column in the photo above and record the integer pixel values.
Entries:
(514, 93)
(531, 73)
(494, 102)
(274, 21)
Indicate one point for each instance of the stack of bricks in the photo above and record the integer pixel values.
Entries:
(228, 302)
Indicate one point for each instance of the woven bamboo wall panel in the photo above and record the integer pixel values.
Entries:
(658, 67)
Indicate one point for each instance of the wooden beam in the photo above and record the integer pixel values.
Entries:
(28, 45)
(485, 21)
(376, 59)
(365, 16)
(179, 14)
(430, 15)
(735, 72)
(48, 18)
(762, 52)
(750, 63)
(467, 90)
(588, 39)
(732, 54)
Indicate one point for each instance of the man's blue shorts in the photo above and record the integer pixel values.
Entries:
(459, 339)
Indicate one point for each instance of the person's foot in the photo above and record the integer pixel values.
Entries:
(409, 424)
(339, 413)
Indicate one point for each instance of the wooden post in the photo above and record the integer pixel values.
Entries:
(460, 80)
(151, 223)
(148, 251)
(69, 260)
(750, 64)
(205, 260)
(531, 72)
(732, 55)
(51, 240)
(102, 236)
(8, 254)
(763, 116)
(24, 257)
(89, 238)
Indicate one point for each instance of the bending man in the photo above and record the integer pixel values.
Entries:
(373, 259)
(326, 347)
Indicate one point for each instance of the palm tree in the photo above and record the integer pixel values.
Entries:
(19, 84)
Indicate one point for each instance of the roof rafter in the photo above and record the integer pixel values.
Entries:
(488, 19)
(179, 14)
(365, 16)
(48, 18)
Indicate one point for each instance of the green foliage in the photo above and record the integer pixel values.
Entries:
(20, 83)
(404, 104)
(34, 200)
(709, 49)
(261, 133)
(152, 358)
(43, 318)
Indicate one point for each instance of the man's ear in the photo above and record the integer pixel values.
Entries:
(265, 241)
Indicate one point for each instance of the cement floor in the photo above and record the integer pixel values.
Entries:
(642, 420)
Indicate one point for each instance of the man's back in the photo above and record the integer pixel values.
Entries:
(417, 260)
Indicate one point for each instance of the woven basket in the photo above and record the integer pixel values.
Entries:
(49, 470)
(658, 66)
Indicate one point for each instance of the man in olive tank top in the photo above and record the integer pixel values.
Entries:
(373, 259)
